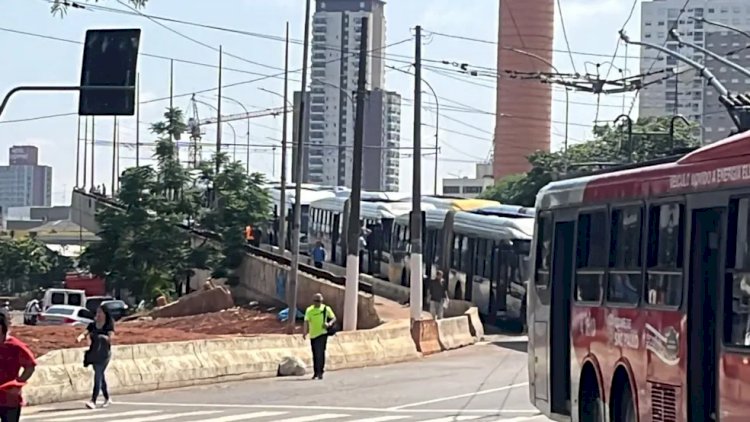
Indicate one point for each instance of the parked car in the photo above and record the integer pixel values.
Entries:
(118, 309)
(93, 302)
(66, 315)
(31, 312)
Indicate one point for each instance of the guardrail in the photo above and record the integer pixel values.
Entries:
(279, 259)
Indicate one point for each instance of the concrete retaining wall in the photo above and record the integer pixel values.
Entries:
(61, 376)
(265, 278)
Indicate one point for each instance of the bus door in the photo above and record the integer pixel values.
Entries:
(702, 306)
(560, 314)
(499, 283)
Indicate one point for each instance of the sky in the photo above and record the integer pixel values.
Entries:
(44, 55)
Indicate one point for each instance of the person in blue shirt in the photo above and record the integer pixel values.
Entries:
(319, 255)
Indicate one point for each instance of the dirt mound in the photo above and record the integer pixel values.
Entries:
(236, 322)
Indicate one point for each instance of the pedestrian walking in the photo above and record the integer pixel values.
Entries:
(319, 323)
(438, 292)
(100, 333)
(15, 356)
(319, 255)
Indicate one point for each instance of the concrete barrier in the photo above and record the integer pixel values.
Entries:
(454, 333)
(60, 375)
(425, 335)
(475, 324)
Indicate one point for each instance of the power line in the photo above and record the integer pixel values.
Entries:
(565, 35)
(617, 46)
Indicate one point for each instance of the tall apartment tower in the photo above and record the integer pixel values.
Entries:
(524, 107)
(24, 183)
(330, 114)
(687, 93)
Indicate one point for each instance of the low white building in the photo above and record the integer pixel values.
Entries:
(470, 188)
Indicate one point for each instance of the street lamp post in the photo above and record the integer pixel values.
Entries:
(234, 131)
(437, 134)
(247, 158)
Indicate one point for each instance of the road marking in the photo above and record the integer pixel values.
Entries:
(521, 419)
(245, 417)
(459, 396)
(173, 416)
(313, 418)
(320, 408)
(382, 419)
(51, 413)
(91, 414)
(453, 418)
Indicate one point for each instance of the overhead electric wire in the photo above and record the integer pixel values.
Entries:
(565, 36)
(617, 47)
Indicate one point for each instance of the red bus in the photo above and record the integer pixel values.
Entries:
(641, 291)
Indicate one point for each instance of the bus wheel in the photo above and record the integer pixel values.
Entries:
(591, 406)
(624, 408)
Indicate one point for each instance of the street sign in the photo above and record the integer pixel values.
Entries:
(110, 57)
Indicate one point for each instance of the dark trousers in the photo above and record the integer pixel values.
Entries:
(318, 264)
(10, 414)
(100, 381)
(319, 354)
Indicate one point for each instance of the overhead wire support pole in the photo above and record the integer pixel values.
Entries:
(282, 200)
(85, 150)
(113, 184)
(415, 258)
(725, 26)
(218, 118)
(78, 153)
(676, 36)
(138, 120)
(291, 292)
(351, 291)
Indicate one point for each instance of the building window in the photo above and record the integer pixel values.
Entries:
(451, 189)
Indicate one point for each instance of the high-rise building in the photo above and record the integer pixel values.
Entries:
(524, 107)
(330, 106)
(24, 183)
(687, 93)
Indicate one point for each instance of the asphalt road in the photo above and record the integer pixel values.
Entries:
(486, 382)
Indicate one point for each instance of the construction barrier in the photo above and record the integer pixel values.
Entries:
(60, 375)
(454, 333)
(425, 335)
(475, 324)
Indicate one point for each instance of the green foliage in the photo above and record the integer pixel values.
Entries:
(61, 6)
(28, 264)
(609, 147)
(145, 250)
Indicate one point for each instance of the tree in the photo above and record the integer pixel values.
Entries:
(28, 264)
(235, 199)
(609, 147)
(61, 6)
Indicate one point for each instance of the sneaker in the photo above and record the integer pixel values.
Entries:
(107, 402)
(91, 405)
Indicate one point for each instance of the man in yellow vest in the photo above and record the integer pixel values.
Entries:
(319, 323)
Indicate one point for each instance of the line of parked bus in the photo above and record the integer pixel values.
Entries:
(481, 246)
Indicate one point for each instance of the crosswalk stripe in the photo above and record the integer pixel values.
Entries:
(313, 418)
(94, 414)
(245, 417)
(453, 419)
(382, 419)
(174, 416)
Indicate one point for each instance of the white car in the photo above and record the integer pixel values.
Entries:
(66, 315)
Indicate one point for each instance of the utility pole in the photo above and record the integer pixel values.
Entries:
(78, 153)
(292, 281)
(85, 150)
(218, 118)
(93, 148)
(114, 155)
(351, 292)
(138, 120)
(282, 200)
(416, 213)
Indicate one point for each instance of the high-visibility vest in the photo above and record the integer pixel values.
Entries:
(249, 233)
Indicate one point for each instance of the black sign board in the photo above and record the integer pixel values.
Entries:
(110, 57)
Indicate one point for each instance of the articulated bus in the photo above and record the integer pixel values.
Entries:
(327, 222)
(640, 295)
(484, 256)
(308, 195)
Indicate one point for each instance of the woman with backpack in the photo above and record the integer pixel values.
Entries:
(100, 333)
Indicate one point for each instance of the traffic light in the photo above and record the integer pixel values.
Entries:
(110, 57)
